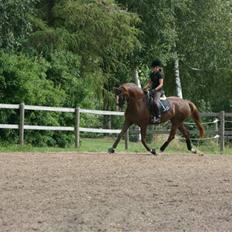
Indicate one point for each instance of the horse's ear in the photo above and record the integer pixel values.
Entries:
(117, 91)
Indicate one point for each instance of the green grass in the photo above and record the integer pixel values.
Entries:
(102, 145)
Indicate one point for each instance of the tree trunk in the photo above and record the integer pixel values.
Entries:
(136, 78)
(177, 78)
(137, 82)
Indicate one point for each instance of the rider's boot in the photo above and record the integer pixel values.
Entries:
(156, 118)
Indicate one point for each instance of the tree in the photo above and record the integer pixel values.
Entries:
(15, 25)
(24, 80)
(192, 35)
(206, 52)
(99, 32)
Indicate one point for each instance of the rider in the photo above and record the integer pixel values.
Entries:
(155, 84)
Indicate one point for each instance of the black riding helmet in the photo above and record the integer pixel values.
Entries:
(156, 63)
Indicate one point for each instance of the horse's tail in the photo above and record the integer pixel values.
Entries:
(196, 117)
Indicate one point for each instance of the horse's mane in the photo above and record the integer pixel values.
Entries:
(133, 88)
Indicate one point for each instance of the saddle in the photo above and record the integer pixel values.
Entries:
(163, 105)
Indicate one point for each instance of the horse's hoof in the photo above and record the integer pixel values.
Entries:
(201, 154)
(194, 151)
(153, 152)
(111, 150)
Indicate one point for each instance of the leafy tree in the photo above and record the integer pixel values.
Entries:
(15, 25)
(99, 32)
(206, 52)
(194, 32)
(73, 52)
(24, 80)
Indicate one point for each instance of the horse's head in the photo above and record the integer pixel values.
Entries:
(122, 95)
(129, 92)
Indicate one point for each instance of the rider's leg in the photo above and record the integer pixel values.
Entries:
(157, 95)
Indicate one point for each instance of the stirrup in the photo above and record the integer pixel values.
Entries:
(155, 120)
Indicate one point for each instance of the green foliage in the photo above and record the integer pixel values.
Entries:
(15, 26)
(73, 52)
(97, 27)
(104, 36)
(99, 32)
(23, 79)
(64, 72)
(206, 54)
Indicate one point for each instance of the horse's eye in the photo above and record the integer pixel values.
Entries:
(117, 91)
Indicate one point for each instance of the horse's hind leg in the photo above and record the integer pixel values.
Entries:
(171, 137)
(186, 135)
(126, 125)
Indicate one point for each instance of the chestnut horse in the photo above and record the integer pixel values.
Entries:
(137, 112)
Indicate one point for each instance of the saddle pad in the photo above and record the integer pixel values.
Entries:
(164, 105)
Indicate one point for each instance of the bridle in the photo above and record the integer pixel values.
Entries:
(122, 98)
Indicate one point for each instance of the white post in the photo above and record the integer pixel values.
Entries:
(77, 127)
(21, 123)
(177, 78)
(222, 131)
(138, 83)
(136, 78)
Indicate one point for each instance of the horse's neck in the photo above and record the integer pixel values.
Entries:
(134, 106)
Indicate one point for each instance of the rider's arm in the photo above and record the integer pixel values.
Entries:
(159, 87)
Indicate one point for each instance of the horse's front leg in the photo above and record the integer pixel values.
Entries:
(126, 125)
(143, 140)
(171, 136)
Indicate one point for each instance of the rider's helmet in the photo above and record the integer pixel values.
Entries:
(156, 63)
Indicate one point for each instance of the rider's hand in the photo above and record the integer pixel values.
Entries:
(145, 90)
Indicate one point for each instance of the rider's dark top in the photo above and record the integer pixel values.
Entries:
(155, 77)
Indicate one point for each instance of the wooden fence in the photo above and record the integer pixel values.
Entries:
(219, 130)
(76, 129)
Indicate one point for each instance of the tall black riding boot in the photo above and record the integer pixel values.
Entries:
(156, 118)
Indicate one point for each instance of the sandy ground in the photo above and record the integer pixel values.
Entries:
(121, 192)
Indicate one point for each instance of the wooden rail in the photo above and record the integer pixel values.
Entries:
(77, 129)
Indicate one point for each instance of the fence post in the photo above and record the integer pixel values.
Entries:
(21, 123)
(126, 139)
(110, 123)
(77, 127)
(222, 131)
(217, 130)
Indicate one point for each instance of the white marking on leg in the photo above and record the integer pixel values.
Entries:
(194, 151)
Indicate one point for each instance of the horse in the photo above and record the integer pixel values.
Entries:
(138, 113)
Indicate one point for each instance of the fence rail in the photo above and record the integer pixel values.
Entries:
(220, 117)
(77, 129)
